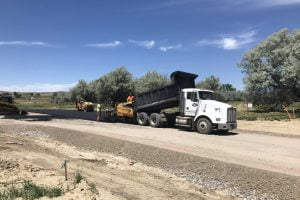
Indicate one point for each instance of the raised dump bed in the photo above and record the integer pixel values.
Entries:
(166, 96)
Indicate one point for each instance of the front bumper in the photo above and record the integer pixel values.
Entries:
(227, 126)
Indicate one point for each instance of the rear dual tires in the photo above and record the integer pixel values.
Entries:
(142, 119)
(155, 119)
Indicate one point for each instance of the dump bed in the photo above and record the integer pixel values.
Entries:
(166, 96)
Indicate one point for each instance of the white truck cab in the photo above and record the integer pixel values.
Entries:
(200, 111)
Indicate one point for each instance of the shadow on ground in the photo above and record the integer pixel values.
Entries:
(214, 132)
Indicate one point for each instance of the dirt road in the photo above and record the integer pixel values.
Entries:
(232, 154)
(272, 153)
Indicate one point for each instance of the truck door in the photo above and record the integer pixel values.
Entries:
(191, 103)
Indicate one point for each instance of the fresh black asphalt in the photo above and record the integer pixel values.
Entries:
(66, 113)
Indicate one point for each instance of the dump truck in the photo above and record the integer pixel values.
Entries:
(82, 105)
(198, 108)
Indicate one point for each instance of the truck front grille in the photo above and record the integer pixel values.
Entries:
(231, 115)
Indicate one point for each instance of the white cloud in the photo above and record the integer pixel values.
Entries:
(167, 48)
(37, 87)
(224, 4)
(148, 44)
(258, 4)
(232, 42)
(24, 43)
(105, 45)
(269, 3)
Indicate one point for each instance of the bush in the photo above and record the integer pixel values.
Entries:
(30, 191)
(93, 188)
(248, 118)
(78, 177)
(255, 115)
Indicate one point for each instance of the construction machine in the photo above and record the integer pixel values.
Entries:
(85, 106)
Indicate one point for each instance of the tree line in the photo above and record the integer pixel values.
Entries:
(118, 84)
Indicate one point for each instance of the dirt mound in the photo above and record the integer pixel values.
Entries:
(9, 109)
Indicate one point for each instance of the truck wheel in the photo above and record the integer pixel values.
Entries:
(142, 119)
(155, 120)
(204, 126)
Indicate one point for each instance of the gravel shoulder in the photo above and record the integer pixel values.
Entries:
(38, 158)
(224, 178)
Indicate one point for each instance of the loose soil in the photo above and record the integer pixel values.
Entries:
(32, 155)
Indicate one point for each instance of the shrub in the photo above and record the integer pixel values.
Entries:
(78, 177)
(30, 191)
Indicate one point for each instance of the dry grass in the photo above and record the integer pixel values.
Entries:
(30, 191)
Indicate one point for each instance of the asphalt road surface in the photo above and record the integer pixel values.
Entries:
(66, 113)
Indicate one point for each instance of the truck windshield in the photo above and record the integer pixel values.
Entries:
(205, 95)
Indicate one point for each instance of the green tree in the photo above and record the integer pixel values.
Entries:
(224, 92)
(150, 81)
(227, 92)
(54, 94)
(210, 83)
(227, 87)
(82, 90)
(114, 87)
(272, 70)
(230, 93)
(17, 95)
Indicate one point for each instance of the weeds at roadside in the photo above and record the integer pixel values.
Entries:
(93, 188)
(269, 116)
(78, 177)
(30, 191)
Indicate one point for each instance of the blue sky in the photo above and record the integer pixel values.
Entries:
(48, 45)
